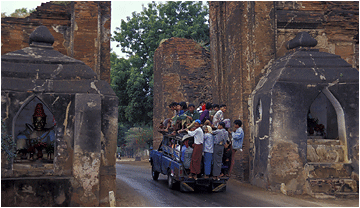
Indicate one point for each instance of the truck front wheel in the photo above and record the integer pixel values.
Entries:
(154, 173)
(170, 181)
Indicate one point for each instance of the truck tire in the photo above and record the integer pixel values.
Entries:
(154, 173)
(170, 181)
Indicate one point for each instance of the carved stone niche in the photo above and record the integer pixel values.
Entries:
(308, 99)
(80, 116)
(35, 147)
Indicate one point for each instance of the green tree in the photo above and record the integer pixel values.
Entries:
(139, 36)
(21, 13)
(138, 139)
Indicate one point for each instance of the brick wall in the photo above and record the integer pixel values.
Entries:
(181, 73)
(246, 36)
(81, 30)
(335, 25)
(241, 45)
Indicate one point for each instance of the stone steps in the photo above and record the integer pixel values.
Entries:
(324, 150)
(316, 170)
(332, 188)
(319, 140)
(327, 174)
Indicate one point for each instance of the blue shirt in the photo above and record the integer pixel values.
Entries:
(183, 153)
(208, 143)
(220, 135)
(180, 112)
(237, 138)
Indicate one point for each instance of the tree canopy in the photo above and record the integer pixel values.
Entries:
(139, 36)
(19, 13)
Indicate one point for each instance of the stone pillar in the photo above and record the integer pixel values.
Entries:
(109, 129)
(181, 73)
(91, 35)
(242, 42)
(87, 147)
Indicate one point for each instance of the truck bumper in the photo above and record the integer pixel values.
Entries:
(190, 185)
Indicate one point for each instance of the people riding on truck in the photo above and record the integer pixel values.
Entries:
(188, 120)
(196, 151)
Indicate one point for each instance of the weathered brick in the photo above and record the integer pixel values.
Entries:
(78, 37)
(181, 73)
(247, 36)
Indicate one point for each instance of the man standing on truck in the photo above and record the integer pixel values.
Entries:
(219, 116)
(237, 142)
(220, 137)
(195, 165)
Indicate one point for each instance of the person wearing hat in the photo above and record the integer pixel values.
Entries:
(195, 165)
(208, 150)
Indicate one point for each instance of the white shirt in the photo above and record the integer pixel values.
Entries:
(198, 135)
(218, 117)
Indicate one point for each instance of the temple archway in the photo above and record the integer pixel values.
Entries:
(322, 119)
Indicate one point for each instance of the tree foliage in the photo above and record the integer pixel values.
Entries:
(19, 13)
(138, 139)
(139, 36)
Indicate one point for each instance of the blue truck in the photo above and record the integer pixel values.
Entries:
(167, 160)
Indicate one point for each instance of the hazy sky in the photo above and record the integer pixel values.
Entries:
(119, 10)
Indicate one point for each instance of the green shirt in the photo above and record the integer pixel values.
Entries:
(195, 115)
(212, 112)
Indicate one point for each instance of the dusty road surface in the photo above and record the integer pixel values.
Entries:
(135, 187)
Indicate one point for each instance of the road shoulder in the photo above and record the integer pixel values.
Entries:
(127, 196)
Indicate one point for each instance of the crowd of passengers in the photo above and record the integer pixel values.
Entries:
(213, 139)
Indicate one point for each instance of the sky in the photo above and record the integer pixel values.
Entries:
(119, 10)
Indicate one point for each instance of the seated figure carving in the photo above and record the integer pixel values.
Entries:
(36, 138)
